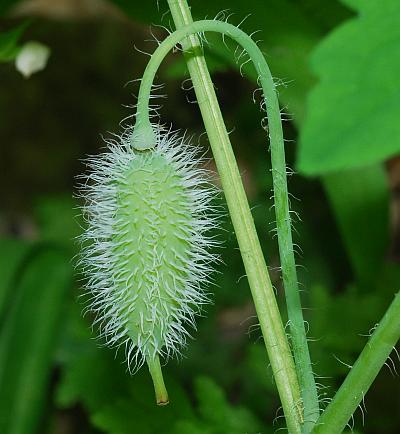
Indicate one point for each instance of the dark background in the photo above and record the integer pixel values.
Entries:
(55, 377)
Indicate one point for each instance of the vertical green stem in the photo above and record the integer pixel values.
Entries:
(230, 178)
(203, 86)
(256, 269)
(386, 334)
(352, 392)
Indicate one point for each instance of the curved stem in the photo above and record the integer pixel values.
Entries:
(230, 181)
(352, 392)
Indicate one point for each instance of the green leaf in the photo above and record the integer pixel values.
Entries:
(12, 255)
(138, 412)
(216, 411)
(353, 112)
(360, 202)
(9, 42)
(57, 220)
(27, 340)
(339, 325)
(86, 377)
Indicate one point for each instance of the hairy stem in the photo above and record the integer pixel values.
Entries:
(232, 184)
(256, 269)
(203, 85)
(352, 392)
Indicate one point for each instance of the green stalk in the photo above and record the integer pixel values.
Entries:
(352, 392)
(203, 86)
(263, 295)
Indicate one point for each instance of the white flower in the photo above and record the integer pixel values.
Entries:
(31, 58)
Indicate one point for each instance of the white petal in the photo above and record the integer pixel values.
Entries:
(31, 58)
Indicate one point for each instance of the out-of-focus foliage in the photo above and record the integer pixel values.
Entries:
(287, 41)
(355, 195)
(352, 119)
(213, 414)
(12, 253)
(28, 336)
(349, 233)
(9, 42)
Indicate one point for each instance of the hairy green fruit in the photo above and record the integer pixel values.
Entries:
(146, 249)
(152, 248)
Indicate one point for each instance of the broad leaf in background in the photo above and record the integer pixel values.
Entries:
(27, 340)
(353, 112)
(355, 195)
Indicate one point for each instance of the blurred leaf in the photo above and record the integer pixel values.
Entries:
(117, 401)
(86, 378)
(9, 41)
(359, 197)
(58, 220)
(258, 363)
(353, 112)
(219, 414)
(327, 16)
(288, 31)
(147, 12)
(86, 365)
(12, 255)
(178, 68)
(138, 412)
(27, 340)
(5, 5)
(337, 325)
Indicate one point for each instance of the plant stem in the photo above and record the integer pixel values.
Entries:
(256, 269)
(226, 164)
(158, 380)
(352, 392)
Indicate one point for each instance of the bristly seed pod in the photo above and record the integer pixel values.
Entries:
(146, 248)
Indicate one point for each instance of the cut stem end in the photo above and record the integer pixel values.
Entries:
(158, 380)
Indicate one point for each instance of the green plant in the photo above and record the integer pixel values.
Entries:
(301, 416)
(53, 375)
